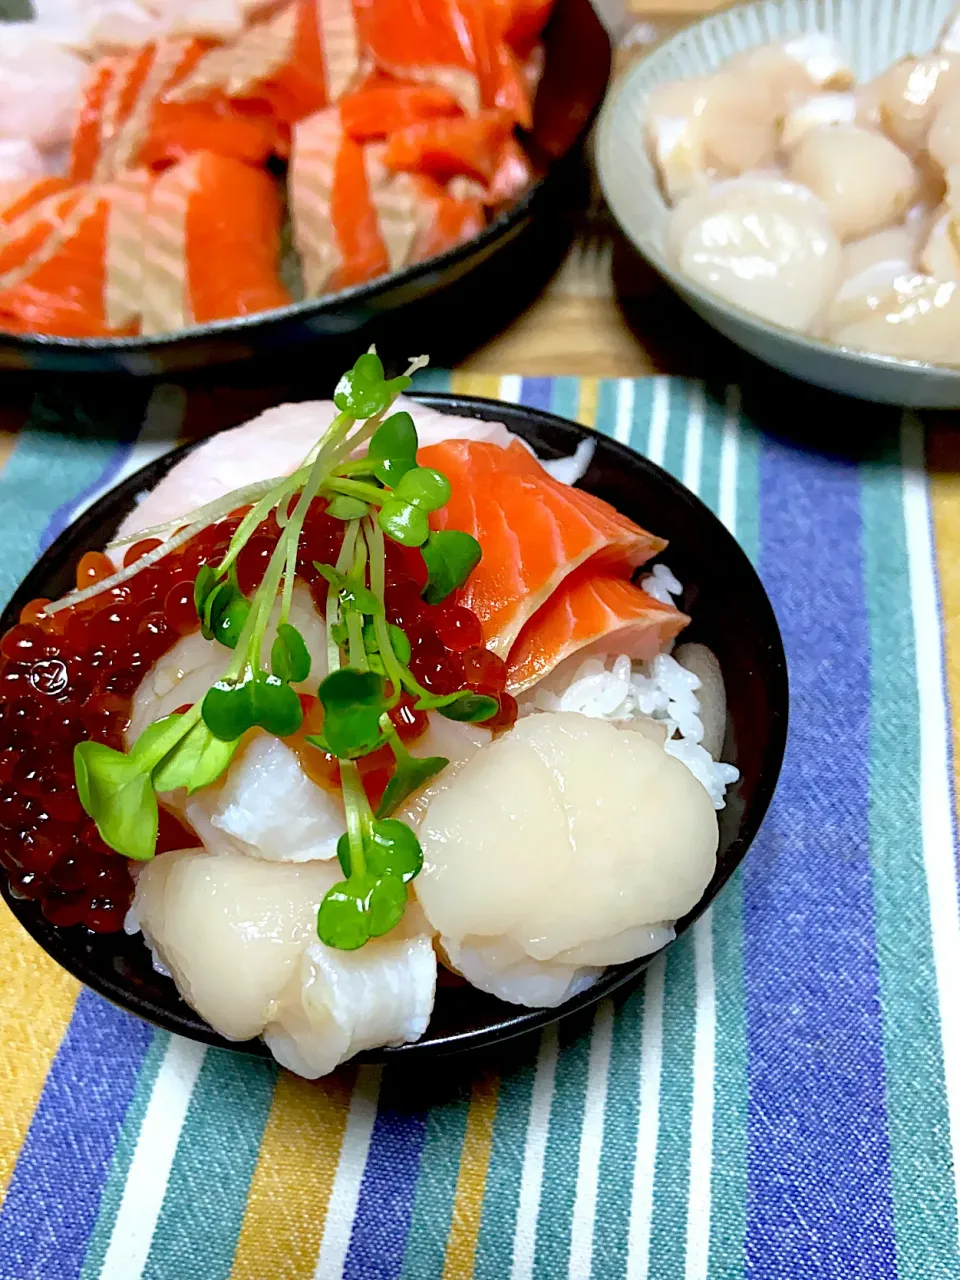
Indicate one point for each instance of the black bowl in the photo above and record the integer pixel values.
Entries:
(489, 278)
(730, 612)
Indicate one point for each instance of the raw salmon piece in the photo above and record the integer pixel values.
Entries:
(211, 245)
(427, 42)
(59, 283)
(445, 219)
(443, 148)
(370, 114)
(590, 609)
(16, 198)
(125, 121)
(526, 22)
(512, 176)
(533, 531)
(353, 218)
(298, 59)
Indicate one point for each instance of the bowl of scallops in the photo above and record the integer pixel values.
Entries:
(793, 170)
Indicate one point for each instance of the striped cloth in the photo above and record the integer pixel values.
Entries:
(777, 1100)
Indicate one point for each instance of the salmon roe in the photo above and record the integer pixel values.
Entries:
(71, 677)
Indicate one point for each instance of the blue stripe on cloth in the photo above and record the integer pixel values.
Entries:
(116, 457)
(819, 1189)
(378, 1240)
(537, 393)
(52, 1202)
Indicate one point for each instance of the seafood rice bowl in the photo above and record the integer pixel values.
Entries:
(362, 692)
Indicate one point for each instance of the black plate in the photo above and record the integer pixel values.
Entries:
(496, 273)
(731, 614)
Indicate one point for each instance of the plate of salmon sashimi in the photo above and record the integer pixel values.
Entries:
(266, 171)
(382, 724)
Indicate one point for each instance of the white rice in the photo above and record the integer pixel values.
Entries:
(615, 688)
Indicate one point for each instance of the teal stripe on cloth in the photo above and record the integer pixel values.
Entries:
(202, 1212)
(499, 1215)
(59, 453)
(559, 1187)
(120, 1168)
(565, 397)
(669, 1224)
(618, 1157)
(925, 1210)
(436, 1184)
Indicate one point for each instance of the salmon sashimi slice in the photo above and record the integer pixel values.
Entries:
(428, 42)
(299, 59)
(533, 531)
(370, 114)
(526, 21)
(124, 121)
(17, 198)
(444, 219)
(211, 245)
(442, 149)
(353, 217)
(512, 176)
(59, 283)
(589, 611)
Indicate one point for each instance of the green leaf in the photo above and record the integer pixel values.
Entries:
(363, 391)
(360, 598)
(470, 708)
(400, 643)
(424, 488)
(342, 919)
(205, 582)
(224, 591)
(118, 795)
(343, 854)
(332, 575)
(404, 523)
(410, 774)
(276, 706)
(289, 656)
(342, 507)
(450, 557)
(394, 850)
(353, 702)
(393, 448)
(142, 749)
(228, 611)
(197, 760)
(386, 901)
(228, 709)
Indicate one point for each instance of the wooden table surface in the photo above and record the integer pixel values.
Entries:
(605, 313)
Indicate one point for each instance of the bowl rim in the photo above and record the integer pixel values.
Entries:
(516, 1020)
(608, 144)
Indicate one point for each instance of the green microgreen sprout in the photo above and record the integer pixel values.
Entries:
(378, 491)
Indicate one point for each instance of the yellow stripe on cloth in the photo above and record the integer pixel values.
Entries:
(476, 384)
(38, 1000)
(290, 1189)
(587, 409)
(943, 463)
(471, 1180)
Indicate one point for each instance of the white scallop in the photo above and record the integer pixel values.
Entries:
(762, 244)
(917, 318)
(863, 179)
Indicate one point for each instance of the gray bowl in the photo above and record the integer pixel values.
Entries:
(873, 34)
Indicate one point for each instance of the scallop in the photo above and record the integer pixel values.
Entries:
(875, 262)
(565, 842)
(239, 938)
(940, 257)
(915, 318)
(864, 181)
(907, 95)
(762, 244)
(702, 128)
(822, 108)
(943, 143)
(788, 72)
